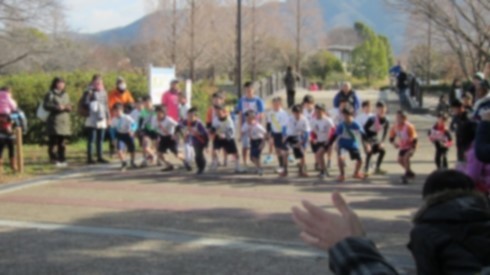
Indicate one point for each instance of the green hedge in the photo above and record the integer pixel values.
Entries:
(30, 89)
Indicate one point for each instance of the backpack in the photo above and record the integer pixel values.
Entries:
(41, 112)
(19, 119)
(83, 108)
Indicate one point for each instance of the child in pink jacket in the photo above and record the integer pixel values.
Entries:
(7, 103)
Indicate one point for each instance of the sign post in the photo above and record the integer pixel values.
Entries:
(19, 150)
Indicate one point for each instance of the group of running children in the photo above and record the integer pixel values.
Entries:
(340, 130)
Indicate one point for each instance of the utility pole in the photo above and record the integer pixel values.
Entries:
(173, 55)
(254, 40)
(192, 59)
(239, 48)
(298, 35)
(429, 52)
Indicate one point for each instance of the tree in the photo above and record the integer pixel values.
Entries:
(372, 58)
(463, 26)
(322, 64)
(23, 22)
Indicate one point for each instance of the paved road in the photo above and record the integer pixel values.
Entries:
(147, 222)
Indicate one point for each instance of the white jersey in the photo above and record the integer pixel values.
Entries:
(224, 128)
(296, 128)
(135, 115)
(336, 116)
(362, 118)
(277, 120)
(123, 124)
(253, 131)
(309, 115)
(322, 127)
(164, 127)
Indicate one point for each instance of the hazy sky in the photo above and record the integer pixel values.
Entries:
(98, 15)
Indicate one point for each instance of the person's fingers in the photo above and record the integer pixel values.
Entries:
(340, 203)
(315, 211)
(303, 219)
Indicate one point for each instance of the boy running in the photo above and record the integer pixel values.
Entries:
(277, 121)
(297, 136)
(124, 128)
(148, 132)
(365, 114)
(195, 135)
(323, 129)
(375, 126)
(166, 128)
(404, 137)
(223, 130)
(249, 102)
(254, 131)
(440, 136)
(348, 133)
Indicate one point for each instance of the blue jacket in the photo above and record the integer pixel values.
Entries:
(351, 97)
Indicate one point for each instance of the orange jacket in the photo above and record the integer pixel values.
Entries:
(116, 96)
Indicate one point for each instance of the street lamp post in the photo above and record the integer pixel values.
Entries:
(239, 49)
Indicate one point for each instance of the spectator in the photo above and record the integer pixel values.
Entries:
(95, 98)
(58, 125)
(346, 93)
(170, 100)
(7, 107)
(483, 99)
(464, 129)
(456, 92)
(482, 142)
(468, 102)
(402, 85)
(290, 81)
(443, 105)
(450, 234)
(477, 79)
(120, 95)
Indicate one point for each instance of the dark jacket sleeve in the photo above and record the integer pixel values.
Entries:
(49, 104)
(482, 143)
(358, 256)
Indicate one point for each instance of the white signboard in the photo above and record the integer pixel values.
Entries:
(159, 82)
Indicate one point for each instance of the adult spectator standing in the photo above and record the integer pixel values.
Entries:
(347, 94)
(58, 125)
(402, 85)
(95, 100)
(120, 95)
(249, 102)
(170, 100)
(290, 81)
(457, 91)
(7, 106)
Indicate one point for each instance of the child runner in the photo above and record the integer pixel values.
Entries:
(440, 136)
(254, 131)
(365, 113)
(308, 106)
(166, 128)
(124, 128)
(348, 133)
(245, 104)
(323, 129)
(375, 126)
(183, 106)
(404, 137)
(297, 136)
(223, 130)
(277, 121)
(336, 113)
(195, 134)
(464, 129)
(148, 132)
(211, 116)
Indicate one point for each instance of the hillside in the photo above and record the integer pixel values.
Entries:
(336, 14)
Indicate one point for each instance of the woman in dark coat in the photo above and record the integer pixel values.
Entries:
(58, 124)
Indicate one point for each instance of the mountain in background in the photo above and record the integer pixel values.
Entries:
(337, 14)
